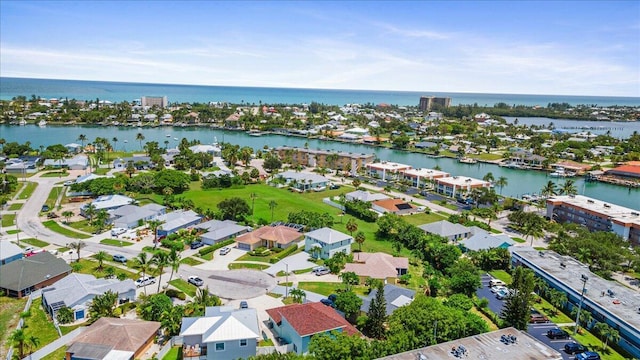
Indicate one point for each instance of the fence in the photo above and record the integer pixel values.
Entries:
(280, 349)
(27, 306)
(174, 341)
(329, 202)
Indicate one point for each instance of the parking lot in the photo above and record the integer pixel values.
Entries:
(538, 331)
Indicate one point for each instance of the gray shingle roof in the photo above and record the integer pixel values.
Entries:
(328, 236)
(25, 273)
(444, 228)
(391, 294)
(9, 249)
(76, 287)
(486, 241)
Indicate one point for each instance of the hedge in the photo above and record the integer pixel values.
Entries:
(283, 254)
(211, 248)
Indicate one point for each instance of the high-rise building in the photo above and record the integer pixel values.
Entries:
(159, 101)
(427, 102)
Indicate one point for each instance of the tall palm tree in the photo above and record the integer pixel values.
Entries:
(140, 138)
(34, 342)
(532, 229)
(173, 260)
(568, 188)
(501, 182)
(143, 263)
(549, 189)
(297, 295)
(18, 336)
(115, 142)
(488, 177)
(82, 138)
(90, 211)
(352, 226)
(272, 206)
(360, 238)
(607, 333)
(160, 260)
(153, 226)
(101, 256)
(77, 246)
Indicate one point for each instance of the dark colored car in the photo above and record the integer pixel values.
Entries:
(244, 305)
(328, 302)
(536, 317)
(119, 258)
(574, 348)
(588, 355)
(45, 208)
(197, 244)
(557, 334)
(334, 186)
(332, 297)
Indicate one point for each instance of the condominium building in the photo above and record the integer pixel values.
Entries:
(607, 301)
(454, 185)
(596, 215)
(159, 101)
(334, 160)
(427, 102)
(387, 170)
(420, 177)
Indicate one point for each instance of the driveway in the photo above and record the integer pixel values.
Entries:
(299, 261)
(232, 284)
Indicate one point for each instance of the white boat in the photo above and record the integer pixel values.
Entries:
(176, 139)
(22, 122)
(42, 123)
(466, 160)
(168, 135)
(561, 172)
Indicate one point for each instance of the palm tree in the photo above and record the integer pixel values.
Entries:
(297, 295)
(34, 342)
(501, 182)
(101, 256)
(173, 260)
(153, 226)
(82, 138)
(18, 336)
(115, 141)
(272, 206)
(360, 238)
(160, 260)
(585, 318)
(67, 214)
(77, 246)
(549, 189)
(488, 177)
(89, 211)
(568, 188)
(607, 333)
(143, 263)
(532, 229)
(557, 299)
(352, 226)
(140, 138)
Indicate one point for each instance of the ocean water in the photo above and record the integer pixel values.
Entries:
(123, 91)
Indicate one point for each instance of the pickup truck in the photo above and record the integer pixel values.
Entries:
(144, 281)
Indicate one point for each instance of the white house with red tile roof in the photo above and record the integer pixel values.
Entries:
(378, 266)
(396, 206)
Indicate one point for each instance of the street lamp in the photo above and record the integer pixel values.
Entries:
(584, 279)
(15, 221)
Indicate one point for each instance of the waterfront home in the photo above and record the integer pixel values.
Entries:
(222, 333)
(107, 202)
(139, 162)
(131, 216)
(303, 181)
(206, 149)
(631, 172)
(421, 177)
(328, 242)
(76, 291)
(176, 220)
(526, 159)
(295, 324)
(386, 170)
(9, 252)
(127, 339)
(24, 276)
(378, 265)
(279, 236)
(459, 185)
(483, 240)
(446, 229)
(73, 148)
(366, 196)
(394, 297)
(394, 206)
(216, 231)
(78, 162)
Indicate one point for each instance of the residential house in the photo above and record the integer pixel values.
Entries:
(304, 181)
(365, 196)
(107, 202)
(297, 323)
(446, 229)
(113, 339)
(131, 216)
(78, 162)
(279, 236)
(483, 240)
(73, 148)
(139, 162)
(526, 158)
(76, 291)
(328, 241)
(222, 333)
(387, 170)
(84, 178)
(216, 231)
(422, 177)
(9, 252)
(630, 172)
(206, 149)
(459, 185)
(394, 297)
(377, 266)
(20, 166)
(176, 220)
(24, 276)
(395, 206)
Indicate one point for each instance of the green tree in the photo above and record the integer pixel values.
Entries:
(160, 259)
(297, 295)
(349, 303)
(272, 207)
(607, 333)
(516, 311)
(34, 342)
(18, 337)
(356, 183)
(360, 239)
(152, 307)
(569, 188)
(377, 315)
(549, 189)
(140, 138)
(77, 246)
(349, 279)
(67, 214)
(174, 262)
(339, 346)
(234, 208)
(101, 256)
(153, 226)
(64, 315)
(171, 320)
(103, 305)
(557, 298)
(488, 177)
(464, 277)
(351, 226)
(142, 262)
(82, 138)
(501, 183)
(272, 163)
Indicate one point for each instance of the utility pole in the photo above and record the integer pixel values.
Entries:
(584, 288)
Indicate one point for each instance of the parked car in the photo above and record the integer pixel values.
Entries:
(69, 182)
(195, 280)
(28, 249)
(536, 317)
(574, 348)
(45, 208)
(496, 282)
(496, 289)
(557, 333)
(225, 250)
(145, 280)
(323, 272)
(244, 305)
(334, 186)
(197, 244)
(118, 231)
(328, 302)
(119, 258)
(588, 355)
(502, 294)
(318, 268)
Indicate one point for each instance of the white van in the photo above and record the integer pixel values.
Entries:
(118, 231)
(496, 282)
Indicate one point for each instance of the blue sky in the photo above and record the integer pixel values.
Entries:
(526, 47)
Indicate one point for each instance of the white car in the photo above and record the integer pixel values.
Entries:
(28, 249)
(118, 231)
(225, 250)
(496, 282)
(69, 182)
(144, 281)
(497, 289)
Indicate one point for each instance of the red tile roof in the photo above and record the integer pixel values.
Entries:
(392, 204)
(280, 234)
(311, 318)
(631, 169)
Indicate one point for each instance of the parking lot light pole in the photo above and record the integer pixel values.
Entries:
(584, 288)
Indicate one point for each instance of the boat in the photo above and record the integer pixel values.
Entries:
(512, 165)
(42, 123)
(466, 160)
(175, 138)
(168, 135)
(22, 122)
(561, 172)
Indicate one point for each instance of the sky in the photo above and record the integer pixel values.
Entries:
(513, 47)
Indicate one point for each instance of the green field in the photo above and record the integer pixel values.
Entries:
(486, 156)
(53, 196)
(184, 286)
(190, 261)
(328, 288)
(91, 267)
(15, 207)
(57, 354)
(54, 226)
(55, 174)
(501, 275)
(8, 219)
(423, 218)
(40, 326)
(27, 190)
(35, 242)
(12, 232)
(10, 309)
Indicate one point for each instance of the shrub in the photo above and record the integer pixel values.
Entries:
(173, 293)
(361, 210)
(208, 249)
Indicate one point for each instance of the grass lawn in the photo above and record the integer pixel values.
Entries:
(548, 309)
(57, 354)
(12, 232)
(486, 156)
(302, 271)
(184, 286)
(91, 267)
(592, 342)
(518, 240)
(8, 219)
(207, 256)
(63, 249)
(35, 242)
(174, 354)
(484, 317)
(53, 196)
(54, 174)
(40, 326)
(267, 342)
(423, 218)
(101, 171)
(235, 266)
(82, 225)
(328, 288)
(67, 329)
(190, 261)
(10, 309)
(15, 207)
(501, 275)
(417, 281)
(27, 190)
(118, 243)
(54, 226)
